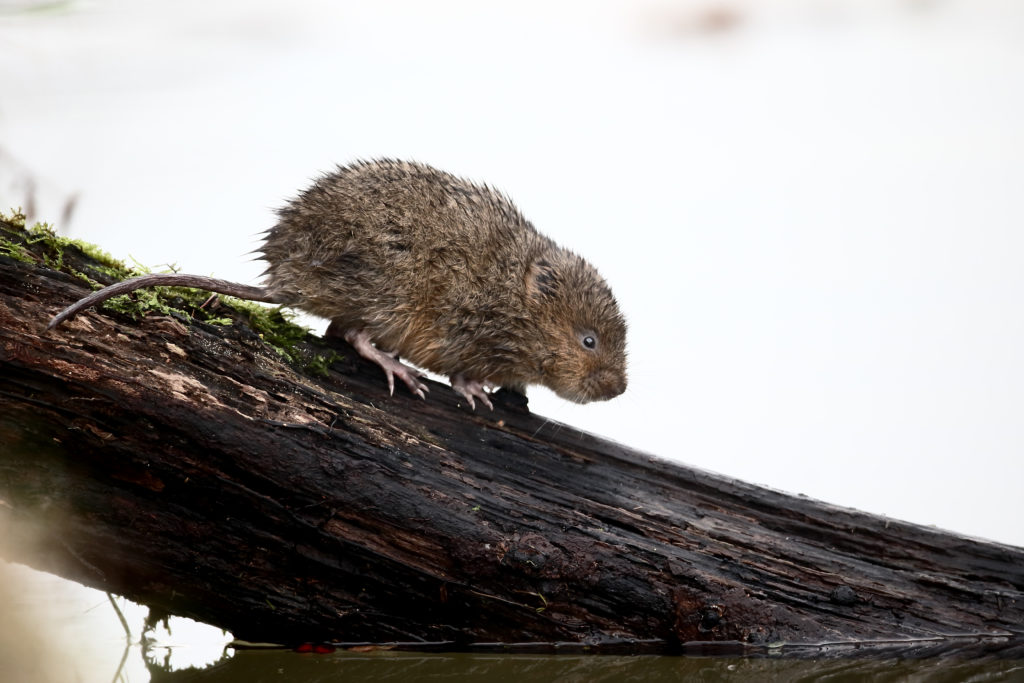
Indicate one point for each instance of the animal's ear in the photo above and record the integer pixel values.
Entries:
(541, 279)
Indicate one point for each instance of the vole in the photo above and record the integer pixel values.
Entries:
(410, 261)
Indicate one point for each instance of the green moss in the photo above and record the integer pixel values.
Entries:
(320, 364)
(86, 261)
(142, 301)
(16, 218)
(13, 224)
(275, 326)
(278, 330)
(15, 251)
(40, 243)
(55, 245)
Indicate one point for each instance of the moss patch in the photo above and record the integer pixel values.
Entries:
(41, 245)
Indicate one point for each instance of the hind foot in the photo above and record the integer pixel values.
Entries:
(470, 388)
(360, 340)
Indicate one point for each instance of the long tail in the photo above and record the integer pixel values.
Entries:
(166, 279)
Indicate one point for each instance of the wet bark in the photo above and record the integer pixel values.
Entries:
(188, 467)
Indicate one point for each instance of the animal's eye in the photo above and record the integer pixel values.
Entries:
(589, 342)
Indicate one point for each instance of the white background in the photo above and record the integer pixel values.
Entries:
(810, 210)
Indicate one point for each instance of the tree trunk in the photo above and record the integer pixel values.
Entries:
(187, 466)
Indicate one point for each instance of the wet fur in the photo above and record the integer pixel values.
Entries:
(445, 273)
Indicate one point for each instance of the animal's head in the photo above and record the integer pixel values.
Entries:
(583, 357)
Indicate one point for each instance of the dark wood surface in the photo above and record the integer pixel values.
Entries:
(188, 467)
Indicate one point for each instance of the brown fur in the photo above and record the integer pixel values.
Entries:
(448, 275)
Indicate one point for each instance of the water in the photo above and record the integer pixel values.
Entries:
(254, 667)
(53, 630)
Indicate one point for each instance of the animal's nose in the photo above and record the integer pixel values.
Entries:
(610, 384)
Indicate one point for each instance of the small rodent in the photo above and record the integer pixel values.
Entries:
(409, 261)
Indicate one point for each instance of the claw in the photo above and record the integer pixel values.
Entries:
(360, 340)
(472, 388)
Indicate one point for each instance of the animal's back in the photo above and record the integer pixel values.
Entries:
(398, 247)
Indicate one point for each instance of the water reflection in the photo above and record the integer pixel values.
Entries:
(56, 630)
(282, 667)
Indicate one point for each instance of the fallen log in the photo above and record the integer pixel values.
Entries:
(278, 492)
